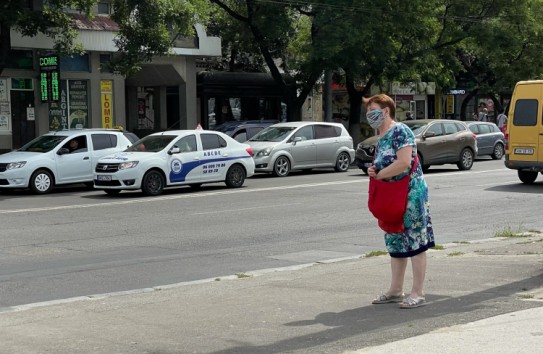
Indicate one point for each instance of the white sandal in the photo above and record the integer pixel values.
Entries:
(411, 303)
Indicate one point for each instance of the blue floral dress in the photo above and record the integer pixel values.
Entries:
(418, 235)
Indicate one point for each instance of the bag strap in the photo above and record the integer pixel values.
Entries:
(415, 164)
(413, 167)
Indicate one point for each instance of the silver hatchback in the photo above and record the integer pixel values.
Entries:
(490, 140)
(284, 147)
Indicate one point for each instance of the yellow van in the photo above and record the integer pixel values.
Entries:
(524, 151)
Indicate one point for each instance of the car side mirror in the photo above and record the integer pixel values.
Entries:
(296, 139)
(174, 150)
(63, 151)
(428, 134)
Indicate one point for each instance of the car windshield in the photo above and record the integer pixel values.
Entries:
(152, 143)
(272, 134)
(417, 127)
(44, 143)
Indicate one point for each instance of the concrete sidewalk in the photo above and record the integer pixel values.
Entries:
(482, 297)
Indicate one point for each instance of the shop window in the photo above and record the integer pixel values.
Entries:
(105, 60)
(103, 8)
(20, 59)
(75, 63)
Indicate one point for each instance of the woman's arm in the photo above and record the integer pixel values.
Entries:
(402, 162)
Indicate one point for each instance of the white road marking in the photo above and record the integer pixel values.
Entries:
(226, 192)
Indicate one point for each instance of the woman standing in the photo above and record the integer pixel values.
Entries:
(396, 152)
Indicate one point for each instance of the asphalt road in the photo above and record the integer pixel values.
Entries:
(79, 242)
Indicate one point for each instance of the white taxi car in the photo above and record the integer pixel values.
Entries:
(60, 157)
(173, 158)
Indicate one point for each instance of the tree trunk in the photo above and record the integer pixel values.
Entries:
(355, 105)
(465, 102)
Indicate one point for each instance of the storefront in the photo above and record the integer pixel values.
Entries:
(88, 95)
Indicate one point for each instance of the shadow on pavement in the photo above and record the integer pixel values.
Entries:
(381, 323)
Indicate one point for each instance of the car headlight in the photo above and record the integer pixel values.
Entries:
(264, 152)
(14, 165)
(127, 165)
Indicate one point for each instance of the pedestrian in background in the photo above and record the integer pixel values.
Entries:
(502, 121)
(409, 116)
(395, 153)
(483, 115)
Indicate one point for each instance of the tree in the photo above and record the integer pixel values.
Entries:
(148, 28)
(240, 52)
(505, 49)
(273, 26)
(48, 19)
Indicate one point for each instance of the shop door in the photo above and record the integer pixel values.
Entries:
(23, 129)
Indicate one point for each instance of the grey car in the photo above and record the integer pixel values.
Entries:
(284, 147)
(490, 140)
(439, 141)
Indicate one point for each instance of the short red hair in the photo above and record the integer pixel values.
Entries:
(383, 101)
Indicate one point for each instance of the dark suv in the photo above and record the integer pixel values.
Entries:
(242, 131)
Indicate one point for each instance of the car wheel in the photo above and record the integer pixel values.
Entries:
(112, 192)
(235, 176)
(153, 183)
(89, 185)
(498, 151)
(41, 182)
(343, 162)
(466, 159)
(281, 167)
(527, 177)
(364, 169)
(195, 185)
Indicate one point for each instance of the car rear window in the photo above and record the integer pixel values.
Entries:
(525, 113)
(131, 136)
(212, 141)
(326, 131)
(485, 128)
(103, 141)
(451, 128)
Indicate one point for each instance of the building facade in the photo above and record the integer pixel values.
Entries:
(161, 95)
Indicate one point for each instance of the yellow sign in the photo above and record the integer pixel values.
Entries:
(106, 88)
(449, 109)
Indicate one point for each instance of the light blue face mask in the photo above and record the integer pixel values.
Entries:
(375, 118)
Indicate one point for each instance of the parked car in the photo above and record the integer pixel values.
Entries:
(60, 157)
(175, 158)
(242, 131)
(490, 139)
(439, 141)
(283, 147)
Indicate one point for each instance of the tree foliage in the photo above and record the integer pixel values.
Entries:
(149, 27)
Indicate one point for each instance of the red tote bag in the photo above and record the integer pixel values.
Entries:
(387, 201)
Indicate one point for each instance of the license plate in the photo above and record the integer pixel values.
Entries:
(103, 178)
(367, 164)
(524, 151)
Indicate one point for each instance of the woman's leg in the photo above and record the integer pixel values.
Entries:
(398, 266)
(418, 264)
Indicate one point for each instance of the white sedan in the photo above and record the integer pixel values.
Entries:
(174, 158)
